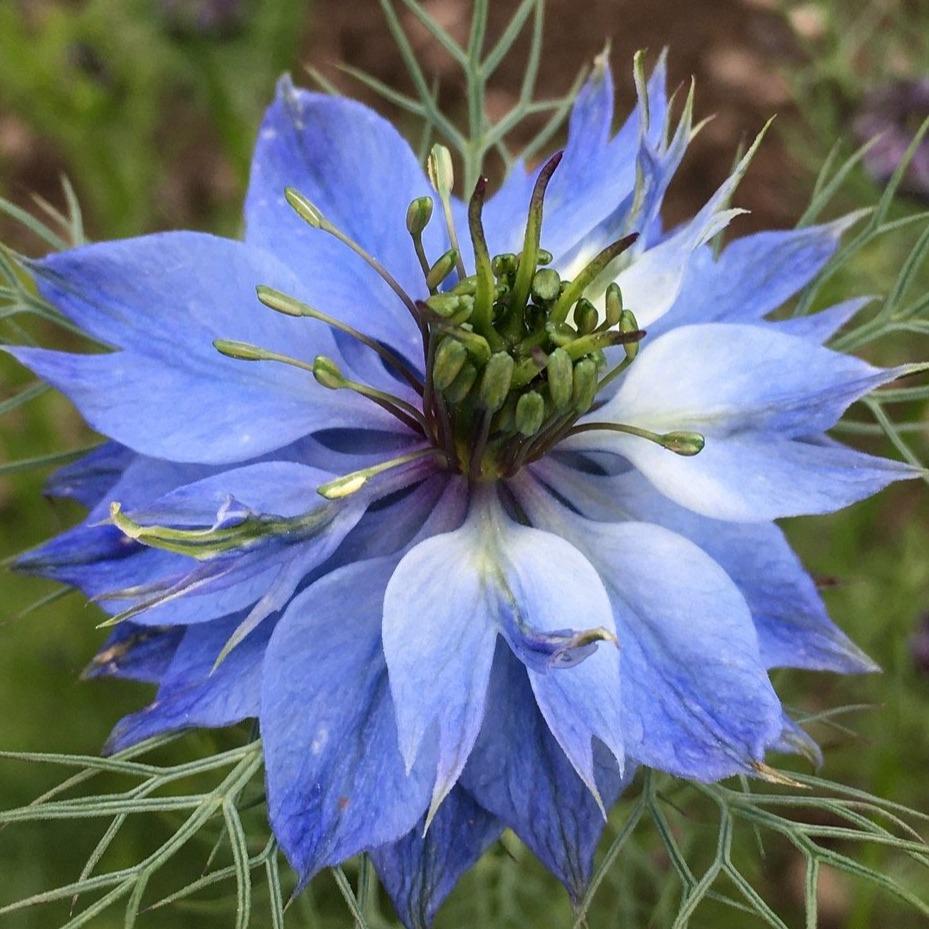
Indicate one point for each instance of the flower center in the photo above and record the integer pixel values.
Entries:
(513, 354)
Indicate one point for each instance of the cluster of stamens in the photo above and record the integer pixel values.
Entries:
(514, 356)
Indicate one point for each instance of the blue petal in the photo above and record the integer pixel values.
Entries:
(598, 172)
(722, 378)
(793, 626)
(494, 575)
(757, 477)
(194, 695)
(439, 644)
(754, 274)
(518, 771)
(823, 325)
(696, 697)
(421, 869)
(336, 781)
(168, 393)
(136, 653)
(91, 476)
(362, 175)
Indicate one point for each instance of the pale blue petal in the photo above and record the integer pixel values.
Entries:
(823, 325)
(91, 476)
(793, 626)
(755, 477)
(136, 653)
(439, 640)
(722, 378)
(696, 697)
(336, 780)
(754, 274)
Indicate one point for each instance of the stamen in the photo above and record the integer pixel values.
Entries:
(327, 373)
(351, 483)
(575, 290)
(311, 214)
(442, 177)
(486, 285)
(683, 443)
(418, 215)
(245, 351)
(441, 269)
(528, 261)
(290, 306)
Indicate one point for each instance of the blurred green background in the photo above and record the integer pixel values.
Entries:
(150, 109)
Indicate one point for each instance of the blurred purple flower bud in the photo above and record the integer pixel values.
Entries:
(919, 645)
(895, 112)
(207, 18)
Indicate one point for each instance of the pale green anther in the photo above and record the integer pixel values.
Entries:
(496, 380)
(450, 358)
(586, 317)
(441, 269)
(418, 215)
(614, 304)
(687, 444)
(304, 207)
(546, 285)
(467, 287)
(504, 264)
(441, 170)
(477, 345)
(544, 257)
(444, 305)
(560, 333)
(241, 351)
(584, 389)
(461, 386)
(628, 324)
(327, 373)
(530, 411)
(560, 378)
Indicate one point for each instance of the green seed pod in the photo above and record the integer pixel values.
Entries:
(560, 378)
(627, 324)
(449, 360)
(530, 411)
(441, 269)
(546, 285)
(585, 385)
(586, 317)
(495, 383)
(614, 304)
(461, 386)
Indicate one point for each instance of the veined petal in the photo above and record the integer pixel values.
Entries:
(824, 324)
(696, 698)
(793, 626)
(492, 576)
(518, 771)
(754, 274)
(362, 175)
(337, 784)
(193, 694)
(420, 870)
(728, 378)
(167, 392)
(757, 477)
(136, 653)
(91, 476)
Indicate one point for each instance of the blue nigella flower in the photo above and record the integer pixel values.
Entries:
(482, 518)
